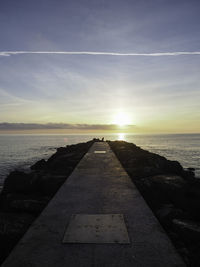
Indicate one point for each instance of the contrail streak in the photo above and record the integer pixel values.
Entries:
(160, 54)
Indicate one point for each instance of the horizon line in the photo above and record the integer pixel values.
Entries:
(98, 53)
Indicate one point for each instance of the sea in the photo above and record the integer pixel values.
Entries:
(19, 152)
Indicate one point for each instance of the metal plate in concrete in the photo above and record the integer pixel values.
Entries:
(96, 228)
(99, 151)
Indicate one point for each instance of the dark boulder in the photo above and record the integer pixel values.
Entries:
(167, 213)
(39, 165)
(49, 184)
(61, 164)
(192, 198)
(18, 182)
(12, 228)
(171, 166)
(188, 175)
(170, 188)
(190, 230)
(162, 190)
(191, 169)
(34, 206)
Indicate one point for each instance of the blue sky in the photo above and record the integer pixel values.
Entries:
(158, 94)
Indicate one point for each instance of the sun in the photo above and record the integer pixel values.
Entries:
(122, 119)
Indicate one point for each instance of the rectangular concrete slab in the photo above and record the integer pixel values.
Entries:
(98, 185)
(96, 228)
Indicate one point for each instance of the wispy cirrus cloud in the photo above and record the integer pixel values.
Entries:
(98, 53)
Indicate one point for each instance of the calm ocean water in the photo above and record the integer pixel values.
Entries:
(20, 151)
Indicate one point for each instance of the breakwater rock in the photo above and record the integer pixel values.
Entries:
(172, 193)
(25, 195)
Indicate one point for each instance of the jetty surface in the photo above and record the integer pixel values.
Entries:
(98, 187)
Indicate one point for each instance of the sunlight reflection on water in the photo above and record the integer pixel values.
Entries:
(121, 137)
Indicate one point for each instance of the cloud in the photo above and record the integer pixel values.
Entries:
(37, 126)
(93, 53)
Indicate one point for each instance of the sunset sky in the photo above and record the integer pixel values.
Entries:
(125, 78)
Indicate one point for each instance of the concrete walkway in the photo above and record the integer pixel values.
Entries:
(98, 185)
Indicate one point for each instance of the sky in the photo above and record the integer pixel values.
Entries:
(116, 72)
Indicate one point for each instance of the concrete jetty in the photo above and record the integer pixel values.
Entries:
(97, 218)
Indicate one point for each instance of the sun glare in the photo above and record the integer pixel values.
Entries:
(122, 119)
(121, 137)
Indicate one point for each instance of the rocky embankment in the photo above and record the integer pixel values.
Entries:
(171, 192)
(25, 195)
